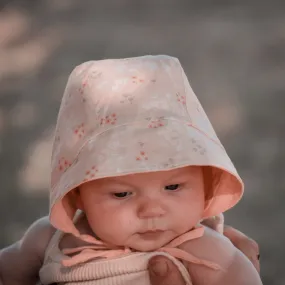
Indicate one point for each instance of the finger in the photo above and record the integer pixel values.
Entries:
(252, 253)
(246, 245)
(163, 271)
(255, 263)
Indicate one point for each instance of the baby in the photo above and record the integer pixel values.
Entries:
(136, 167)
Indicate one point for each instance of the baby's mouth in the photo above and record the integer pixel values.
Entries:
(151, 233)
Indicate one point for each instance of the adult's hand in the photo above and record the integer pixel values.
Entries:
(246, 245)
(162, 271)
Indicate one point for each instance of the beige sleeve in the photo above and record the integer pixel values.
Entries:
(20, 263)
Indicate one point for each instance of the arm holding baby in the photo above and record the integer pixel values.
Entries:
(20, 263)
(235, 267)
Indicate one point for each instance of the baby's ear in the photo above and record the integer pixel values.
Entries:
(76, 198)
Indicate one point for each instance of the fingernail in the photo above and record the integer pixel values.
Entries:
(159, 268)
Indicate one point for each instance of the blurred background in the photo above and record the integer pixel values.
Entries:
(232, 51)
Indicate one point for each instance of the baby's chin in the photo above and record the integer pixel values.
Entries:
(146, 247)
(150, 242)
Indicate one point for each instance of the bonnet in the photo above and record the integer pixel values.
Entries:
(133, 115)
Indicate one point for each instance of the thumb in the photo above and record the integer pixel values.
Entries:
(163, 271)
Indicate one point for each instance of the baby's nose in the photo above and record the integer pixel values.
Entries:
(150, 209)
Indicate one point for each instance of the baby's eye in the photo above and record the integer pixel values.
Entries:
(172, 187)
(122, 194)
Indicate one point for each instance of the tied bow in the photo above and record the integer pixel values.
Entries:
(99, 249)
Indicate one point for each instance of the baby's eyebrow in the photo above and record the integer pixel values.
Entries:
(115, 182)
(179, 175)
(180, 178)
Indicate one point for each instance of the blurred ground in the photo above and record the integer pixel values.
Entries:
(234, 55)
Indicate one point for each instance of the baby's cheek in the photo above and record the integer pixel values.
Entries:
(189, 216)
(119, 227)
(125, 221)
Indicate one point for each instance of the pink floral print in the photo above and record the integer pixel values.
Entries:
(142, 156)
(63, 164)
(79, 130)
(90, 173)
(155, 122)
(109, 119)
(181, 98)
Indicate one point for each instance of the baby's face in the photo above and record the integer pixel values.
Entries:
(144, 211)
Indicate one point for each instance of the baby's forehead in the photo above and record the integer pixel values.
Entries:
(162, 176)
